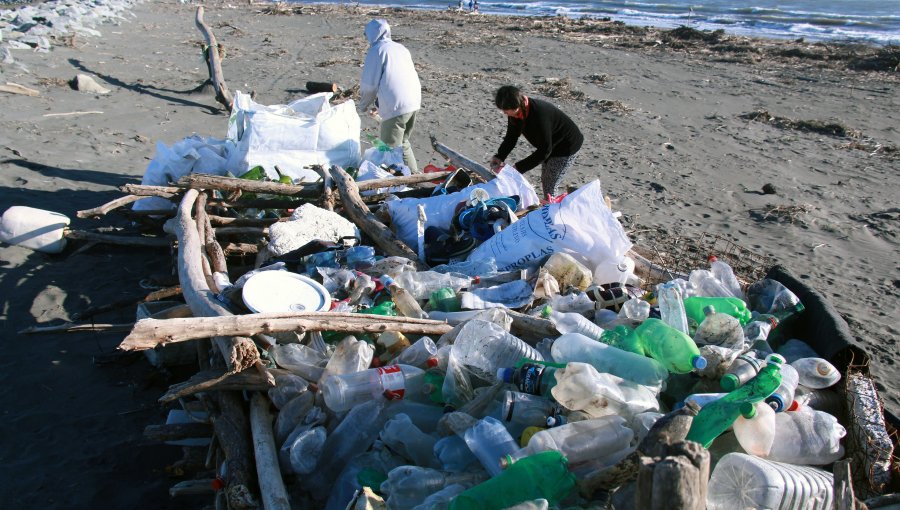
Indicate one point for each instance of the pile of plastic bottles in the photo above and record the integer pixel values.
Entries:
(483, 418)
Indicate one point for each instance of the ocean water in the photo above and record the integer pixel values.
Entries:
(865, 21)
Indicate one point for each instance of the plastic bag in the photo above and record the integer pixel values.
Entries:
(581, 225)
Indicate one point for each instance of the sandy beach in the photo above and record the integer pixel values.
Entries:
(682, 128)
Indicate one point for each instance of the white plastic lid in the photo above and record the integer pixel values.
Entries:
(283, 291)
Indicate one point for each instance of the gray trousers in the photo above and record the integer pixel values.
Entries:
(553, 171)
(395, 131)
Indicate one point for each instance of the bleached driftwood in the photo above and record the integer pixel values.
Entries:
(460, 161)
(15, 88)
(214, 63)
(401, 180)
(271, 485)
(149, 242)
(328, 197)
(146, 190)
(231, 184)
(109, 206)
(367, 222)
(76, 328)
(148, 333)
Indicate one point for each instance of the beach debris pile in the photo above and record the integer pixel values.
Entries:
(449, 340)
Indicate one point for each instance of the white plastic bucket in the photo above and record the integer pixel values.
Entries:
(34, 228)
(744, 481)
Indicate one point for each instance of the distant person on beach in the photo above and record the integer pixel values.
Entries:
(555, 137)
(389, 80)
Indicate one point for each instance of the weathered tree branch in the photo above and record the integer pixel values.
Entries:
(214, 63)
(460, 161)
(109, 206)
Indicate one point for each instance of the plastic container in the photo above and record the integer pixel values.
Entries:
(723, 272)
(418, 354)
(783, 397)
(623, 337)
(408, 486)
(816, 373)
(719, 329)
(485, 347)
(421, 284)
(394, 382)
(283, 291)
(675, 350)
(404, 300)
(306, 449)
(541, 476)
(490, 442)
(393, 343)
(671, 306)
(735, 307)
(627, 365)
(756, 333)
(32, 228)
(756, 434)
(717, 416)
(408, 441)
(454, 454)
(570, 322)
(568, 271)
(593, 440)
(580, 387)
(773, 298)
(807, 436)
(744, 481)
(742, 369)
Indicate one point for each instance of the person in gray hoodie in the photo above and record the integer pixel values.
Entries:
(389, 80)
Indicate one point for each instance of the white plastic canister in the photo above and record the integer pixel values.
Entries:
(744, 481)
(34, 228)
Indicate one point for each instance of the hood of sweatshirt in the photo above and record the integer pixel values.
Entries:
(376, 30)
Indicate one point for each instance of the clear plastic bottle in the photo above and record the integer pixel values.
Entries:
(675, 350)
(393, 343)
(671, 306)
(757, 331)
(627, 365)
(525, 410)
(783, 397)
(421, 284)
(635, 308)
(723, 272)
(408, 486)
(756, 433)
(306, 449)
(350, 355)
(701, 399)
(821, 400)
(583, 440)
(816, 373)
(544, 475)
(485, 346)
(490, 442)
(742, 369)
(745, 481)
(404, 301)
(706, 284)
(807, 436)
(454, 454)
(393, 382)
(407, 440)
(570, 322)
(719, 329)
(418, 354)
(773, 298)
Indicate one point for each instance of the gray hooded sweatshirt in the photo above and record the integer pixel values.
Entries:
(388, 74)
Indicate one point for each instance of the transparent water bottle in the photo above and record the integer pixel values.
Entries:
(783, 397)
(723, 272)
(490, 442)
(636, 308)
(350, 356)
(671, 306)
(306, 449)
(742, 369)
(757, 331)
(570, 322)
(583, 440)
(408, 486)
(454, 454)
(407, 440)
(404, 301)
(525, 410)
(627, 365)
(418, 354)
(484, 347)
(719, 329)
(421, 284)
(393, 382)
(706, 284)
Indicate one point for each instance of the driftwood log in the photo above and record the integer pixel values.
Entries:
(147, 242)
(271, 485)
(214, 62)
(109, 206)
(367, 222)
(218, 380)
(231, 184)
(148, 333)
(146, 190)
(460, 161)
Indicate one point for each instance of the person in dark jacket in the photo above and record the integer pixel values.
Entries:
(555, 137)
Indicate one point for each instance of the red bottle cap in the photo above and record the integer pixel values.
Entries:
(712, 258)
(794, 406)
(217, 484)
(431, 362)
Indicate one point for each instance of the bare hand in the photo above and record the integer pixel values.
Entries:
(496, 164)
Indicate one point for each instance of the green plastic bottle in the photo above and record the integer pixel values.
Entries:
(735, 307)
(543, 475)
(672, 348)
(718, 415)
(623, 338)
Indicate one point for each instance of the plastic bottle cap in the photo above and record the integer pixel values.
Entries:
(431, 362)
(545, 312)
(748, 410)
(712, 258)
(777, 359)
(504, 374)
(698, 362)
(773, 321)
(729, 382)
(709, 310)
(794, 406)
(776, 401)
(386, 280)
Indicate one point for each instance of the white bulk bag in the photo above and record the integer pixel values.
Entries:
(581, 225)
(305, 132)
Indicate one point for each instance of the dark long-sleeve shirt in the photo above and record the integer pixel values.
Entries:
(549, 130)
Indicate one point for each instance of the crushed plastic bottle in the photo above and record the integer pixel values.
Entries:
(725, 274)
(394, 382)
(671, 306)
(404, 300)
(807, 436)
(719, 329)
(593, 440)
(421, 284)
(744, 368)
(816, 373)
(570, 322)
(490, 442)
(580, 387)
